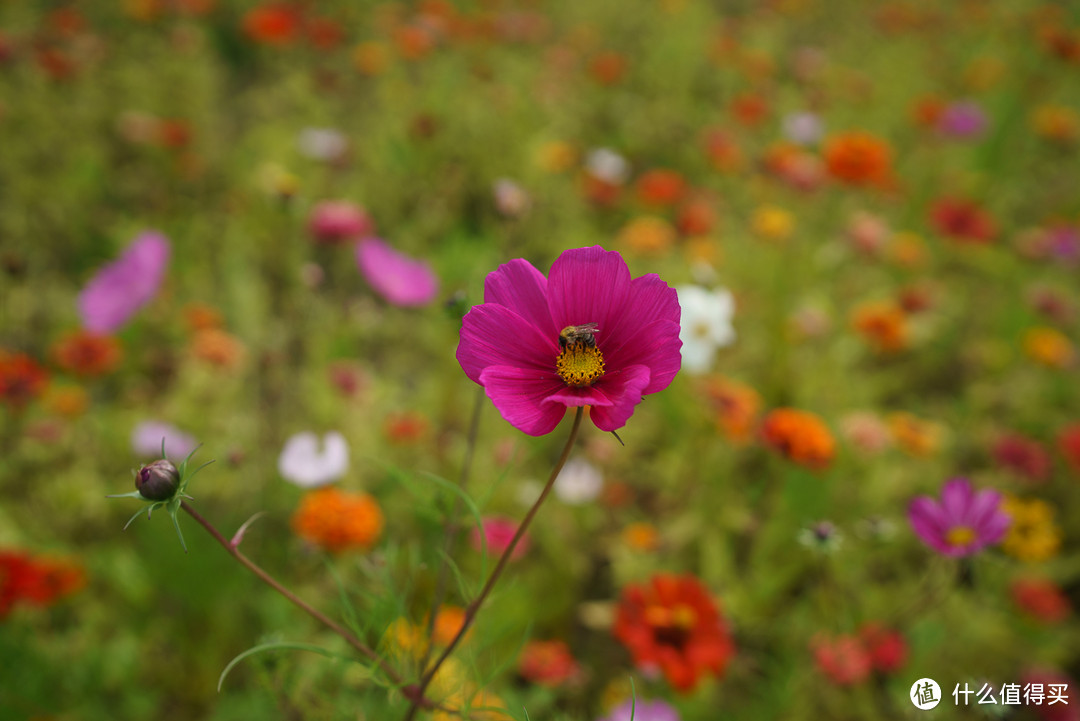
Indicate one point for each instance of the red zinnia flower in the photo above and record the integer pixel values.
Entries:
(660, 187)
(962, 220)
(588, 335)
(673, 625)
(547, 663)
(1023, 456)
(87, 354)
(272, 24)
(1041, 598)
(22, 379)
(887, 648)
(844, 659)
(1069, 445)
(37, 581)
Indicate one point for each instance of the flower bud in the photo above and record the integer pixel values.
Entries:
(157, 481)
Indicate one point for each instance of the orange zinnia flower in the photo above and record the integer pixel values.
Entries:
(337, 520)
(750, 109)
(217, 347)
(800, 436)
(672, 625)
(87, 354)
(608, 68)
(859, 158)
(883, 325)
(723, 152)
(738, 407)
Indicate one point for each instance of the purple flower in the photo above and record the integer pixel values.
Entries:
(963, 522)
(587, 335)
(124, 286)
(396, 277)
(642, 711)
(147, 436)
(964, 119)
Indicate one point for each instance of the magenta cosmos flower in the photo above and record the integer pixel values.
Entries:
(588, 334)
(124, 286)
(396, 277)
(963, 522)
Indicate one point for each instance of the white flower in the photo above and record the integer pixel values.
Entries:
(510, 198)
(579, 482)
(706, 325)
(607, 165)
(146, 441)
(803, 128)
(305, 464)
(326, 144)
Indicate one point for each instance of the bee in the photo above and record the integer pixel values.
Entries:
(579, 335)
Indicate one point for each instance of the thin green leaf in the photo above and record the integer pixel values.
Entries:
(270, 647)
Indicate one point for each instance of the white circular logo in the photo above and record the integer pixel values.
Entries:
(925, 694)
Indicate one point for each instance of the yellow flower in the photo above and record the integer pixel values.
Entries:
(641, 536)
(1049, 347)
(772, 223)
(916, 436)
(648, 235)
(1057, 123)
(1033, 535)
(555, 156)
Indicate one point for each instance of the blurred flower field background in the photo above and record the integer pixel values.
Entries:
(258, 227)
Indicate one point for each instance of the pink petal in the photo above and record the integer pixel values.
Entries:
(398, 278)
(522, 288)
(588, 285)
(657, 345)
(624, 389)
(124, 286)
(520, 396)
(929, 521)
(650, 299)
(496, 335)
(956, 499)
(574, 397)
(983, 507)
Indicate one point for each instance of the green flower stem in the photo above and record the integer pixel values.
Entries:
(474, 607)
(415, 696)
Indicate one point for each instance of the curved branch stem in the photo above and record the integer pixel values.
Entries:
(416, 697)
(474, 607)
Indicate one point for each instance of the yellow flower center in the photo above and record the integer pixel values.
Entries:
(960, 536)
(580, 363)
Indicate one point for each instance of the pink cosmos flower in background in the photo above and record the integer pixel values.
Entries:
(962, 119)
(118, 290)
(498, 531)
(963, 522)
(307, 462)
(588, 334)
(147, 436)
(334, 222)
(844, 659)
(642, 710)
(398, 278)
